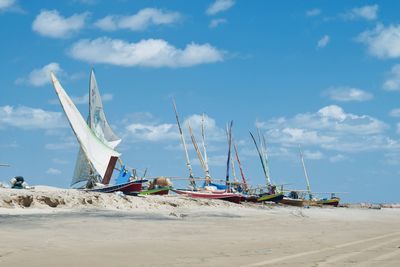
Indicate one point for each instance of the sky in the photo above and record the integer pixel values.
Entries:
(322, 74)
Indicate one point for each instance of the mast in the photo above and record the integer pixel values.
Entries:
(199, 155)
(240, 165)
(305, 173)
(232, 161)
(262, 161)
(203, 135)
(229, 153)
(189, 166)
(266, 160)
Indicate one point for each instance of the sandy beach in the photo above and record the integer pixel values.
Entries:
(87, 229)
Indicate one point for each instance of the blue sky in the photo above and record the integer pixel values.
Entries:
(323, 74)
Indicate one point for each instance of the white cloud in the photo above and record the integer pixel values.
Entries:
(313, 155)
(213, 132)
(338, 158)
(364, 12)
(216, 22)
(330, 128)
(219, 6)
(346, 94)
(395, 112)
(149, 132)
(53, 171)
(146, 53)
(51, 24)
(324, 41)
(140, 21)
(392, 82)
(30, 118)
(313, 12)
(382, 42)
(143, 126)
(40, 77)
(6, 4)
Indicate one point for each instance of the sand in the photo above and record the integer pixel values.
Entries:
(74, 228)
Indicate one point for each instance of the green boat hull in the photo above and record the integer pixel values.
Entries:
(155, 191)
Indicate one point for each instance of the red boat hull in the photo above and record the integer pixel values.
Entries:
(133, 187)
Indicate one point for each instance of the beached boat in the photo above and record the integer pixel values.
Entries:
(271, 194)
(155, 191)
(232, 197)
(97, 158)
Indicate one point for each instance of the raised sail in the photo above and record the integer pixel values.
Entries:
(98, 123)
(97, 119)
(98, 154)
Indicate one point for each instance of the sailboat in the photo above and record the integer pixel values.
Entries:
(271, 194)
(207, 191)
(97, 157)
(333, 201)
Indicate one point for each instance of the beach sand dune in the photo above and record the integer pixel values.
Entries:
(177, 231)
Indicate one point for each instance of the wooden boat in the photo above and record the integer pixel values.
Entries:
(271, 197)
(129, 188)
(329, 202)
(155, 191)
(232, 197)
(298, 202)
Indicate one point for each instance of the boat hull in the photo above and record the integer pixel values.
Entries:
(133, 187)
(293, 202)
(232, 197)
(329, 202)
(156, 191)
(271, 197)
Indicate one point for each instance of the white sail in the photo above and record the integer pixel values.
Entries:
(97, 119)
(97, 153)
(98, 123)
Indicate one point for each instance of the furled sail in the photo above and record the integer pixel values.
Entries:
(98, 154)
(98, 123)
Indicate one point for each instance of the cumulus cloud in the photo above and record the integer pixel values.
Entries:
(6, 4)
(216, 22)
(150, 132)
(395, 112)
(347, 94)
(364, 12)
(30, 118)
(313, 12)
(143, 126)
(392, 82)
(41, 76)
(382, 42)
(219, 6)
(140, 21)
(146, 53)
(330, 128)
(50, 23)
(324, 41)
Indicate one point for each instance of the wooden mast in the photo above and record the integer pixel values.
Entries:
(240, 165)
(262, 161)
(189, 166)
(305, 173)
(203, 138)
(229, 154)
(199, 155)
